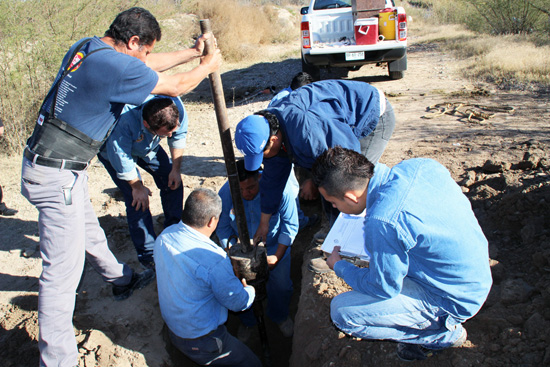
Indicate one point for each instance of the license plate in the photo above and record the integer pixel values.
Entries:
(350, 56)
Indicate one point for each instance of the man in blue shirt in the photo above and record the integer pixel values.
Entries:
(197, 286)
(299, 80)
(300, 127)
(97, 78)
(135, 141)
(429, 263)
(283, 227)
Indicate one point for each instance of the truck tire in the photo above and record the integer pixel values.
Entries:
(395, 75)
(396, 68)
(312, 70)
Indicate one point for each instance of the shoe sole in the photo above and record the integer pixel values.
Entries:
(145, 281)
(316, 271)
(139, 285)
(428, 354)
(461, 339)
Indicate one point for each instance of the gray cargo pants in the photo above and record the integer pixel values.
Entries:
(374, 144)
(69, 233)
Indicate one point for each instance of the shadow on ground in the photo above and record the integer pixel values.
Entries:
(243, 85)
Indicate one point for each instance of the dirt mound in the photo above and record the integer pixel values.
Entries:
(511, 200)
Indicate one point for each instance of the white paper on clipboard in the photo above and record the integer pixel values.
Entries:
(348, 233)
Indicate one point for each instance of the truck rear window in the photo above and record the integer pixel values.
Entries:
(331, 4)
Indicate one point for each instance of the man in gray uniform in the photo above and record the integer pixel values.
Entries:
(98, 76)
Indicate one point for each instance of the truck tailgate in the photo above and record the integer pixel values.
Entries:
(339, 47)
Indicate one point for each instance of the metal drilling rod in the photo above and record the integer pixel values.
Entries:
(248, 264)
(227, 144)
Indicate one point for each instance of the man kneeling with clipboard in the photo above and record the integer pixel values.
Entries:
(429, 264)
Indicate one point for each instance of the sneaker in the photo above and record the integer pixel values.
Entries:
(319, 266)
(5, 211)
(413, 352)
(311, 221)
(287, 327)
(461, 339)
(244, 333)
(319, 237)
(148, 264)
(139, 280)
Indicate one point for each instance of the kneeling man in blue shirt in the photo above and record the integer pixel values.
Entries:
(283, 227)
(135, 141)
(429, 268)
(197, 286)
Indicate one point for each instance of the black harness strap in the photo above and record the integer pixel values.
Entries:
(56, 139)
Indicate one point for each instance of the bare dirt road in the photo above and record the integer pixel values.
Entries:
(502, 164)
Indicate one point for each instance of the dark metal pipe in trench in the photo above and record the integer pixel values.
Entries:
(249, 261)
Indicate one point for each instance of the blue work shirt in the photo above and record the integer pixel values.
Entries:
(196, 283)
(420, 225)
(130, 140)
(91, 97)
(282, 94)
(283, 226)
(313, 118)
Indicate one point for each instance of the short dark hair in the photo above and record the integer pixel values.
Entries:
(339, 170)
(300, 79)
(161, 112)
(201, 205)
(245, 174)
(135, 22)
(272, 120)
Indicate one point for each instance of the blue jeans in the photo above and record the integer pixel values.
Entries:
(412, 317)
(374, 144)
(140, 223)
(218, 348)
(279, 291)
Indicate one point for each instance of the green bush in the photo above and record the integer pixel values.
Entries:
(499, 17)
(36, 34)
(507, 16)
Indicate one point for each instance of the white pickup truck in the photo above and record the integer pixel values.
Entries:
(334, 36)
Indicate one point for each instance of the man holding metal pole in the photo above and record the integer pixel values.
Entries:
(98, 76)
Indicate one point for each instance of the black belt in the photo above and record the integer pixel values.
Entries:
(189, 339)
(55, 163)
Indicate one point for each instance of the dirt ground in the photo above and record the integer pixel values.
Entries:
(501, 163)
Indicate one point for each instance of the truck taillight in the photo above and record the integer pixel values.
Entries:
(306, 41)
(402, 26)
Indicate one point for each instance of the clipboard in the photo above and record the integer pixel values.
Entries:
(348, 233)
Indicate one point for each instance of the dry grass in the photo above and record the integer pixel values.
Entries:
(506, 60)
(241, 26)
(509, 61)
(34, 36)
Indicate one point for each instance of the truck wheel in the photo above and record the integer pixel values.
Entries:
(394, 75)
(312, 70)
(396, 68)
